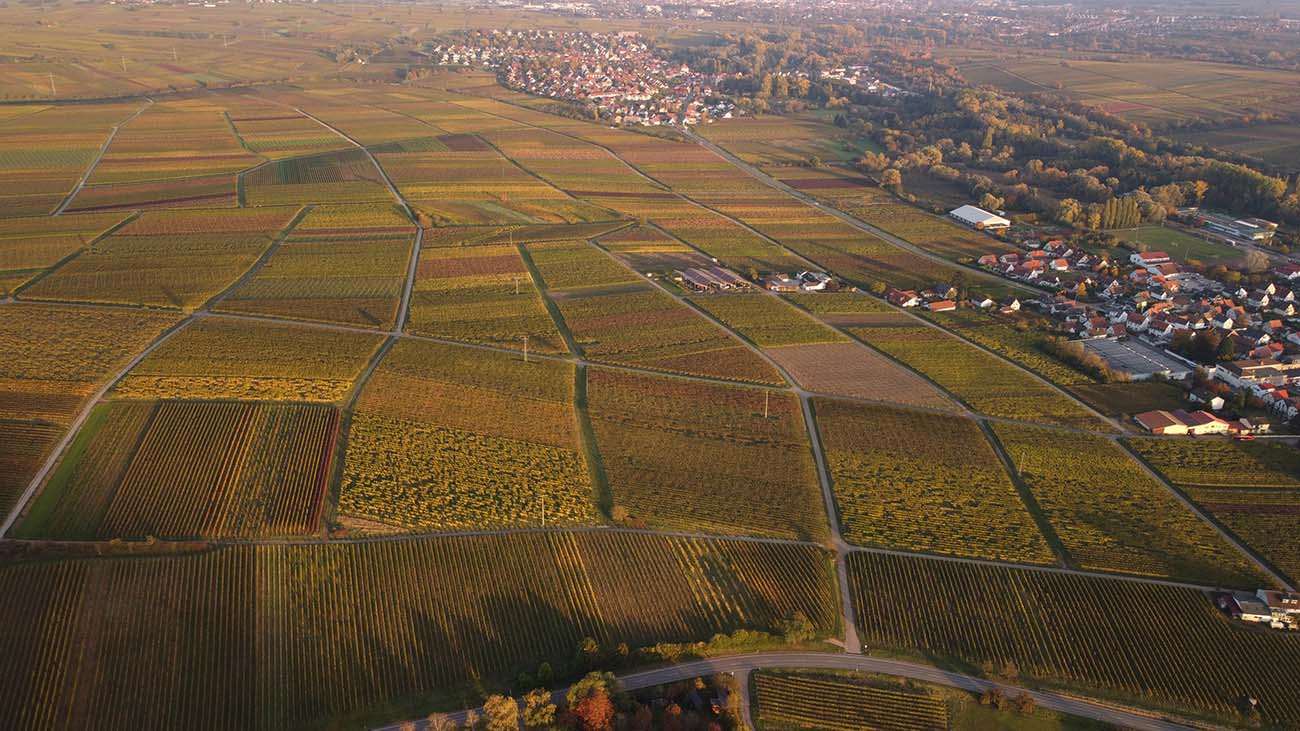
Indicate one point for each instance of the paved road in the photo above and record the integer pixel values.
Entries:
(744, 664)
(81, 183)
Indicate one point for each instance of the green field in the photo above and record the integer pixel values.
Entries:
(1178, 244)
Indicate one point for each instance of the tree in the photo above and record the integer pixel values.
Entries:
(991, 202)
(1255, 261)
(472, 721)
(439, 722)
(595, 712)
(501, 713)
(798, 628)
(539, 710)
(891, 178)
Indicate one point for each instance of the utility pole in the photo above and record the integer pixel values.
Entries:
(767, 397)
(516, 284)
(525, 348)
(52, 91)
(174, 59)
(124, 64)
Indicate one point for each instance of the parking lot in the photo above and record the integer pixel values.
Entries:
(1137, 358)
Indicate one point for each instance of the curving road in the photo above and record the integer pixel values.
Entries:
(744, 664)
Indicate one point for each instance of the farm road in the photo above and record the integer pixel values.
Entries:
(90, 169)
(742, 665)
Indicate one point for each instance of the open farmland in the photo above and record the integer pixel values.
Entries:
(351, 278)
(981, 380)
(168, 259)
(453, 438)
(791, 700)
(1110, 636)
(688, 455)
(332, 177)
(924, 482)
(1266, 520)
(55, 356)
(191, 469)
(785, 139)
(1222, 463)
(855, 371)
(206, 639)
(481, 294)
(229, 358)
(766, 321)
(30, 246)
(1112, 516)
(44, 152)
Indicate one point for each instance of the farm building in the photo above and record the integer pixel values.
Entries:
(978, 218)
(1182, 422)
(1249, 608)
(711, 279)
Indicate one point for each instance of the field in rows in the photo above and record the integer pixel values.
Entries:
(639, 325)
(333, 177)
(1024, 344)
(228, 358)
(45, 151)
(1112, 516)
(1266, 520)
(853, 370)
(30, 245)
(765, 320)
(55, 356)
(171, 140)
(644, 249)
(924, 482)
(784, 139)
(172, 259)
(276, 133)
(278, 636)
(688, 455)
(351, 278)
(1152, 645)
(23, 447)
(789, 700)
(190, 469)
(981, 380)
(481, 294)
(1222, 463)
(1134, 397)
(1276, 143)
(455, 438)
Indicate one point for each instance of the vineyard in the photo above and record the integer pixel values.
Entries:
(850, 369)
(219, 358)
(28, 246)
(1026, 347)
(1153, 645)
(1265, 520)
(23, 446)
(1216, 463)
(191, 469)
(765, 320)
(576, 264)
(923, 482)
(457, 438)
(481, 294)
(274, 637)
(334, 177)
(687, 455)
(350, 278)
(791, 700)
(54, 356)
(1112, 516)
(981, 380)
(639, 325)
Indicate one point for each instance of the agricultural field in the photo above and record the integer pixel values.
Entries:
(1112, 516)
(332, 177)
(23, 447)
(206, 639)
(276, 133)
(352, 278)
(55, 356)
(648, 250)
(452, 438)
(639, 325)
(31, 245)
(1266, 520)
(1134, 397)
(1023, 343)
(191, 469)
(169, 141)
(1117, 638)
(481, 294)
(171, 259)
(1222, 463)
(987, 384)
(568, 265)
(853, 370)
(1278, 144)
(793, 700)
(47, 149)
(766, 321)
(232, 358)
(784, 139)
(923, 482)
(689, 455)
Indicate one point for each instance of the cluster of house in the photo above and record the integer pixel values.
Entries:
(861, 77)
(943, 298)
(801, 282)
(710, 279)
(1190, 423)
(618, 74)
(1277, 609)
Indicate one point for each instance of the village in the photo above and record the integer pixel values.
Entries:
(1149, 316)
(618, 75)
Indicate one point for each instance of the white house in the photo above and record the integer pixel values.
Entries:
(978, 218)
